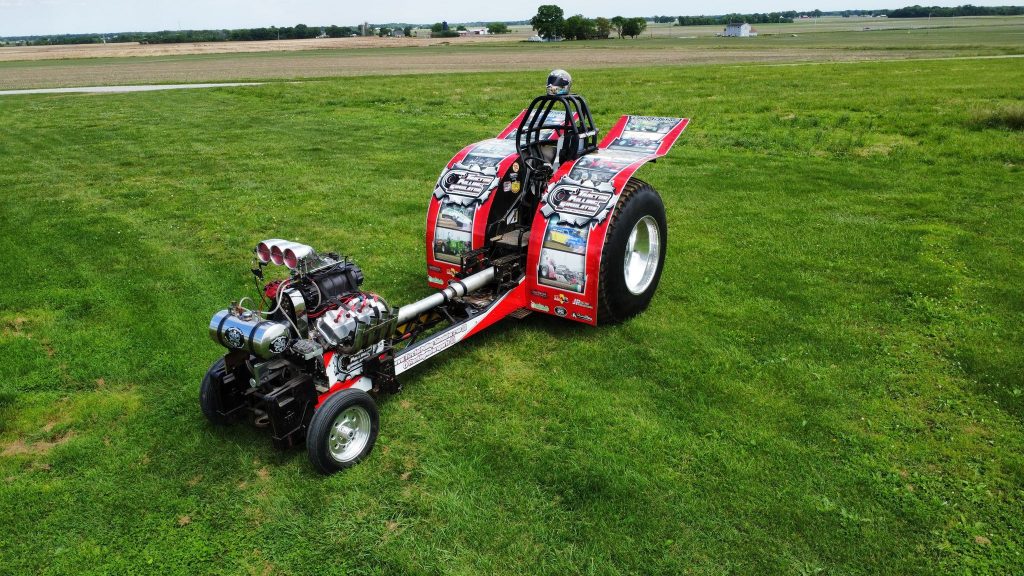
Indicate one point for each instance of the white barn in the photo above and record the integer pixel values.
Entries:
(741, 29)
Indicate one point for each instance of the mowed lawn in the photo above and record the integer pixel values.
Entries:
(829, 380)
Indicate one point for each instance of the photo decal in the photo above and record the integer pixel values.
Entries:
(450, 245)
(563, 258)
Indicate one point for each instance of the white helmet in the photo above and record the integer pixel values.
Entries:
(559, 82)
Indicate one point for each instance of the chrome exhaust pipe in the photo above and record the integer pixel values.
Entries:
(456, 289)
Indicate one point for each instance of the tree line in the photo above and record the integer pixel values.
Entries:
(550, 23)
(965, 10)
(297, 32)
(756, 18)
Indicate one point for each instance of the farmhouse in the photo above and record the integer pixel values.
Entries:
(740, 29)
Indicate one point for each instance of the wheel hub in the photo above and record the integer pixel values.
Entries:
(349, 433)
(643, 251)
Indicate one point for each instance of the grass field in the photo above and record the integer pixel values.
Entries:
(829, 380)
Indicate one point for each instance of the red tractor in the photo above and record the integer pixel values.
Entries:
(544, 218)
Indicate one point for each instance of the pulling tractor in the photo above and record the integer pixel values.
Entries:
(545, 218)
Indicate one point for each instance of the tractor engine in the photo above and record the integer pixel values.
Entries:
(320, 302)
(276, 367)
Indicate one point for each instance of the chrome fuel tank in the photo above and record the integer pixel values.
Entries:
(246, 330)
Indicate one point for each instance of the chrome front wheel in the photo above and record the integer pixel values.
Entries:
(350, 432)
(342, 431)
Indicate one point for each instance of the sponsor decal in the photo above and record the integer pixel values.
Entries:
(433, 280)
(433, 268)
(430, 348)
(453, 271)
(539, 306)
(539, 293)
(584, 317)
(507, 186)
(516, 187)
(561, 298)
(234, 337)
(581, 303)
(279, 344)
(578, 205)
(561, 311)
(467, 184)
(515, 166)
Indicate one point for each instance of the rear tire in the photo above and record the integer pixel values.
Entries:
(634, 253)
(343, 431)
(210, 394)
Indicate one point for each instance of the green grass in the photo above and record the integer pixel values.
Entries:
(829, 380)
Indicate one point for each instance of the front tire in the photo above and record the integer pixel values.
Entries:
(343, 431)
(634, 253)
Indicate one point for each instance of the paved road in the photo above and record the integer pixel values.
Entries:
(120, 89)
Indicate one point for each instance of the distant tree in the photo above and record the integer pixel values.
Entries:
(578, 27)
(634, 27)
(440, 30)
(641, 24)
(549, 21)
(407, 31)
(384, 32)
(617, 23)
(460, 28)
(302, 31)
(604, 27)
(497, 28)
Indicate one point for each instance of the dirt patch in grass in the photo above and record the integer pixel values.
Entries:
(12, 326)
(19, 447)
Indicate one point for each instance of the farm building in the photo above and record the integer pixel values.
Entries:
(740, 29)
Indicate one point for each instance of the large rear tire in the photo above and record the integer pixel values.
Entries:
(634, 253)
(343, 431)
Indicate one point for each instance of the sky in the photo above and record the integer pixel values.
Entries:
(36, 17)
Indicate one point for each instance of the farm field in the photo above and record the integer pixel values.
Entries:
(829, 380)
(834, 39)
